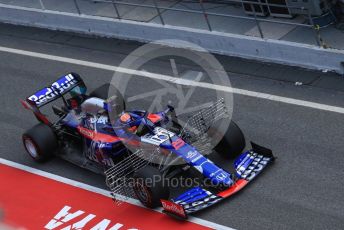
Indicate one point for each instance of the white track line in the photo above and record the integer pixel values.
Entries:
(100, 191)
(180, 81)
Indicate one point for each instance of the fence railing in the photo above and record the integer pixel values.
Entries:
(203, 8)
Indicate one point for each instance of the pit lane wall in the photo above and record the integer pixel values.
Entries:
(266, 50)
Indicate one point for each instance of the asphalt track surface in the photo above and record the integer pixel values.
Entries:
(303, 189)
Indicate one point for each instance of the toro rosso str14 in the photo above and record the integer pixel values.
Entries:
(95, 131)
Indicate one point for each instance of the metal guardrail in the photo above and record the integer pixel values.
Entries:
(204, 11)
(206, 14)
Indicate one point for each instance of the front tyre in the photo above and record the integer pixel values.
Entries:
(232, 143)
(149, 187)
(40, 142)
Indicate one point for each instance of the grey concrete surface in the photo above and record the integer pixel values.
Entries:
(331, 36)
(301, 190)
(293, 54)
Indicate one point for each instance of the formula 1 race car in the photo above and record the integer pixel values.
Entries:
(96, 132)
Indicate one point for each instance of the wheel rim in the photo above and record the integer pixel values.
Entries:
(141, 192)
(31, 148)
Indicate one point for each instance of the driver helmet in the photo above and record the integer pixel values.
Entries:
(93, 105)
(125, 118)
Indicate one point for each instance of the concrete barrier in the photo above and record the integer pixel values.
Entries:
(267, 50)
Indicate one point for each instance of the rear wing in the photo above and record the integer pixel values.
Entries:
(56, 90)
(48, 94)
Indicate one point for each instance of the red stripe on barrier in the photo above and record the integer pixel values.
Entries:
(36, 202)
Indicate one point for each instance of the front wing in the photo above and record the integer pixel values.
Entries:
(247, 166)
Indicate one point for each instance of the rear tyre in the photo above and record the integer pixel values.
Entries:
(40, 142)
(149, 187)
(109, 92)
(232, 143)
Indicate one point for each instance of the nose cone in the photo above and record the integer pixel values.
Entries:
(214, 173)
(221, 177)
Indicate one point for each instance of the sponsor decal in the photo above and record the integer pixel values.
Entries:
(177, 144)
(160, 136)
(86, 132)
(99, 120)
(196, 158)
(172, 207)
(191, 154)
(41, 98)
(221, 176)
(201, 166)
(49, 93)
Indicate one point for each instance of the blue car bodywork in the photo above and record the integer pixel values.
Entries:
(105, 142)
